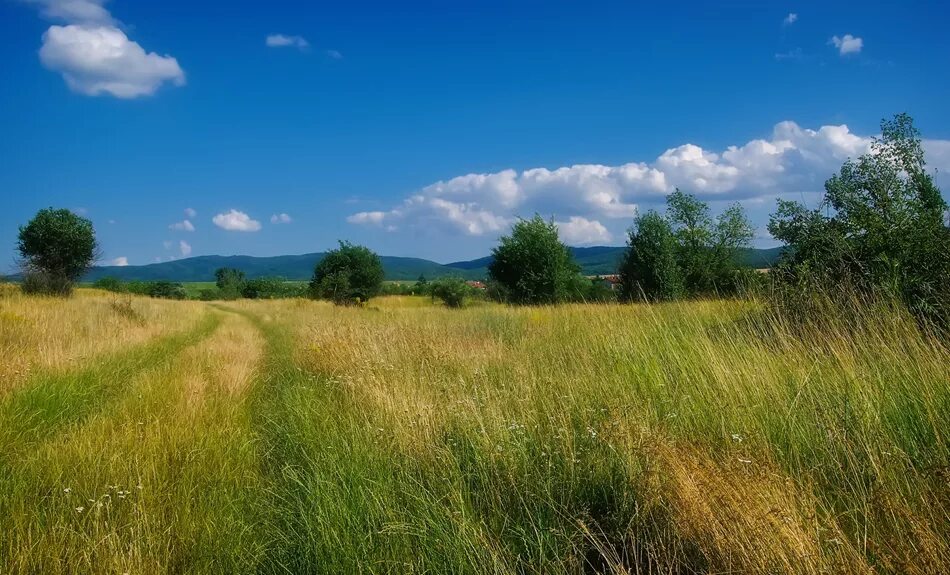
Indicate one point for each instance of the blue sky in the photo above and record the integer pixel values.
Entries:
(425, 128)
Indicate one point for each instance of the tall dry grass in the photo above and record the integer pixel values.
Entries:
(43, 333)
(699, 437)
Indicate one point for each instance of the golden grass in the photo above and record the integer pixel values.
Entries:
(137, 488)
(699, 437)
(39, 333)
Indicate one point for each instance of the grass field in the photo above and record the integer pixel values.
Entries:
(145, 436)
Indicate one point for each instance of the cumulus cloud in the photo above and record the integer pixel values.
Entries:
(597, 201)
(847, 44)
(284, 41)
(190, 213)
(120, 261)
(280, 219)
(580, 231)
(185, 248)
(80, 11)
(236, 221)
(95, 56)
(790, 19)
(183, 226)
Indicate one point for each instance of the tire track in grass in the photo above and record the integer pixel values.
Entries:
(181, 433)
(53, 400)
(336, 500)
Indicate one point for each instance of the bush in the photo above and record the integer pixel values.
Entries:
(348, 275)
(57, 247)
(166, 290)
(36, 282)
(271, 288)
(110, 283)
(532, 265)
(452, 291)
(209, 294)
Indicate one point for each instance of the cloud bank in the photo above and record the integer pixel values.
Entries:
(588, 201)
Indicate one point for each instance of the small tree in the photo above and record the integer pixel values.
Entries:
(230, 282)
(350, 274)
(57, 247)
(649, 268)
(453, 291)
(707, 249)
(532, 266)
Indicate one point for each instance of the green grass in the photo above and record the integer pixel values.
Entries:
(294, 437)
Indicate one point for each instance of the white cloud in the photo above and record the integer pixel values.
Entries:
(190, 213)
(185, 248)
(282, 41)
(375, 218)
(280, 219)
(167, 244)
(847, 44)
(790, 162)
(120, 261)
(580, 231)
(334, 54)
(95, 56)
(76, 11)
(236, 221)
(183, 226)
(790, 19)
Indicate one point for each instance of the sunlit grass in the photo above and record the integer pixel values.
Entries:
(406, 437)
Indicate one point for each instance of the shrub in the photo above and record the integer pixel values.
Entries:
(532, 265)
(166, 290)
(452, 291)
(110, 283)
(348, 275)
(271, 288)
(57, 247)
(209, 294)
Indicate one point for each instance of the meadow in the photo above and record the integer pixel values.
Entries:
(146, 436)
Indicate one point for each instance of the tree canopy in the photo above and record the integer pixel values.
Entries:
(880, 228)
(532, 266)
(57, 247)
(347, 275)
(687, 252)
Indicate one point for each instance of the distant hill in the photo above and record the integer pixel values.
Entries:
(597, 260)
(300, 267)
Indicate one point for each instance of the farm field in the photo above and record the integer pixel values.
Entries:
(146, 436)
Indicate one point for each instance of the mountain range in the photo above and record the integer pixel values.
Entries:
(597, 260)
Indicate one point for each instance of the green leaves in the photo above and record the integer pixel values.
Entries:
(347, 275)
(58, 246)
(879, 228)
(532, 265)
(685, 253)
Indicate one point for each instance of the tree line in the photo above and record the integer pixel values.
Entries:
(881, 230)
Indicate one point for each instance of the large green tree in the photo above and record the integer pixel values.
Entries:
(880, 227)
(57, 247)
(649, 268)
(532, 266)
(350, 274)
